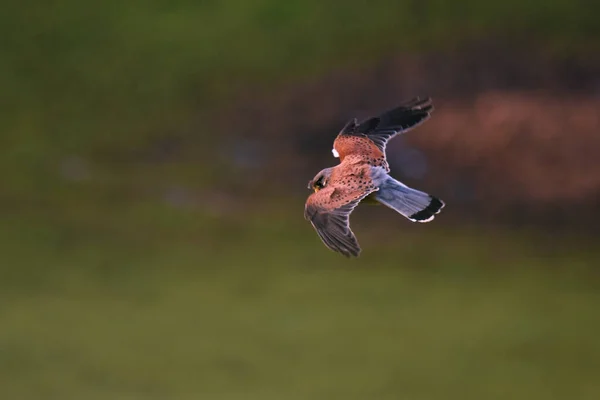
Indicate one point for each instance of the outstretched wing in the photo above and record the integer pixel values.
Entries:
(395, 121)
(328, 210)
(379, 130)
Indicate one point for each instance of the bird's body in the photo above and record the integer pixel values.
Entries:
(363, 175)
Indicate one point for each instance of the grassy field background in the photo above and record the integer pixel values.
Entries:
(115, 286)
(185, 306)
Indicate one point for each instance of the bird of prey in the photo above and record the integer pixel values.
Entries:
(363, 173)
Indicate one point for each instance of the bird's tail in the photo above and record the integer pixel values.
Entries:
(415, 205)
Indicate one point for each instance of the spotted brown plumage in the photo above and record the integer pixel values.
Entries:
(363, 173)
(360, 145)
(329, 208)
(370, 137)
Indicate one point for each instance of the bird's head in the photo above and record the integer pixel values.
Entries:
(320, 180)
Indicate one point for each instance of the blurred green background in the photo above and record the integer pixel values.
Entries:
(154, 159)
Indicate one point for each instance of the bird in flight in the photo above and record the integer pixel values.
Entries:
(363, 173)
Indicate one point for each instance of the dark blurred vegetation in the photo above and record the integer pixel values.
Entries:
(154, 162)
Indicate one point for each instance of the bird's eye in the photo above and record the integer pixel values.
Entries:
(319, 184)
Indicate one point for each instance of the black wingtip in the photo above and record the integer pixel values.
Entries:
(429, 212)
(350, 128)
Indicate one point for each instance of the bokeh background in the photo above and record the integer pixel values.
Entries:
(154, 159)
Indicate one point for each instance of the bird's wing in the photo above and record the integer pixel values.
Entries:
(361, 149)
(389, 124)
(328, 210)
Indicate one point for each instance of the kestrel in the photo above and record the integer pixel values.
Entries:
(363, 173)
